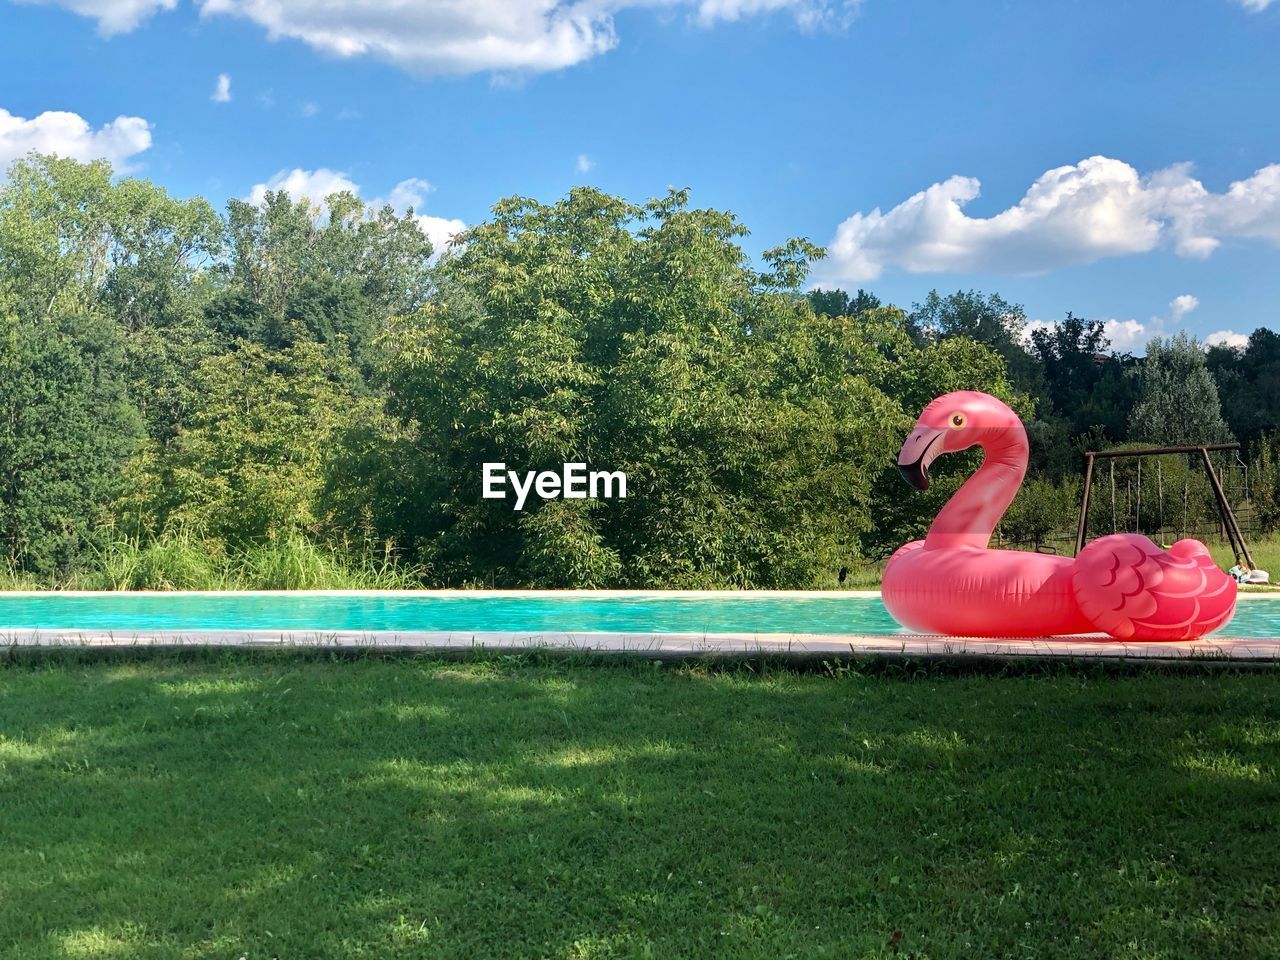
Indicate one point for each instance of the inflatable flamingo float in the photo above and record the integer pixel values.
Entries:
(951, 583)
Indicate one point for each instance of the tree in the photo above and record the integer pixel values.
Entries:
(1111, 403)
(1264, 482)
(300, 270)
(1178, 403)
(837, 303)
(637, 338)
(302, 369)
(76, 242)
(1072, 353)
(988, 319)
(66, 426)
(71, 238)
(1087, 388)
(1248, 382)
(88, 266)
(250, 464)
(913, 375)
(1040, 508)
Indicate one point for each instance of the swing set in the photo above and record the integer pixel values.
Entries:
(1230, 525)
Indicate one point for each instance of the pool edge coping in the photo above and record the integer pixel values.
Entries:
(454, 592)
(677, 645)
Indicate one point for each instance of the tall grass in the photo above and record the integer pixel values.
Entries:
(182, 560)
(175, 561)
(1265, 553)
(296, 563)
(11, 578)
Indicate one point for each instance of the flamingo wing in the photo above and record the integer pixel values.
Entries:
(1133, 590)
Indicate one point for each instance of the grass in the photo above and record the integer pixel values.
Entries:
(233, 807)
(1265, 553)
(180, 560)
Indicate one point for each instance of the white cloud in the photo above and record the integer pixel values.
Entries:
(584, 163)
(411, 194)
(406, 195)
(438, 36)
(222, 89)
(1227, 338)
(1030, 327)
(113, 16)
(1180, 306)
(1129, 335)
(440, 230)
(314, 185)
(1255, 6)
(456, 36)
(1200, 220)
(309, 109)
(809, 14)
(1125, 335)
(1075, 214)
(70, 135)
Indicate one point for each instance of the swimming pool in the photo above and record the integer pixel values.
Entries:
(647, 613)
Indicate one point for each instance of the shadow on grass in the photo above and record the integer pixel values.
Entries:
(294, 807)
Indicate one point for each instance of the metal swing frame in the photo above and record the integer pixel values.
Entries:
(1229, 522)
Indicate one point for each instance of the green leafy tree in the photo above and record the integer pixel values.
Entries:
(988, 319)
(1088, 392)
(1248, 382)
(1073, 354)
(837, 303)
(88, 265)
(301, 371)
(636, 338)
(1179, 402)
(914, 374)
(250, 464)
(1110, 405)
(300, 270)
(1041, 508)
(66, 426)
(72, 238)
(1264, 482)
(74, 241)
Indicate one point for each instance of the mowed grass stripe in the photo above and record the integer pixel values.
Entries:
(245, 807)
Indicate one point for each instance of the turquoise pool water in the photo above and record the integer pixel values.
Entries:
(414, 612)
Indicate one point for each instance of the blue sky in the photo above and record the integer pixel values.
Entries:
(805, 117)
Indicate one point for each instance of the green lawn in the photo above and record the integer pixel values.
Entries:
(1265, 553)
(303, 808)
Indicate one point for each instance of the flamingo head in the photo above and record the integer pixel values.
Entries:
(951, 423)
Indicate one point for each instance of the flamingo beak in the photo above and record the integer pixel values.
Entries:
(920, 450)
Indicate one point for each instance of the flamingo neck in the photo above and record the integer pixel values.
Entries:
(969, 518)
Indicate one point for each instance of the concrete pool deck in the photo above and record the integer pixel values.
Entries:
(656, 646)
(797, 646)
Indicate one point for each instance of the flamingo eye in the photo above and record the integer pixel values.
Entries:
(957, 421)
